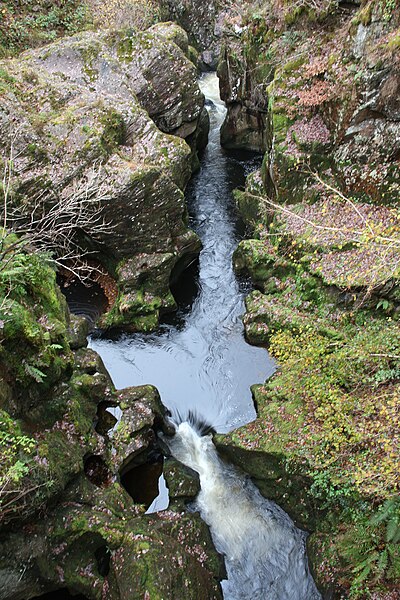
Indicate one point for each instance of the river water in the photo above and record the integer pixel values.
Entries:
(202, 365)
(200, 361)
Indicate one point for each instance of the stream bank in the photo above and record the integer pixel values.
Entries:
(324, 254)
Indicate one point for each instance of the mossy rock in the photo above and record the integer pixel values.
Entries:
(182, 482)
(78, 331)
(173, 33)
(35, 351)
(257, 259)
(275, 479)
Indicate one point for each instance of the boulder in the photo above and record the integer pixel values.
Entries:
(107, 114)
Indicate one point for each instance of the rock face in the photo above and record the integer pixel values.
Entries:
(324, 98)
(242, 88)
(323, 211)
(200, 20)
(63, 454)
(109, 113)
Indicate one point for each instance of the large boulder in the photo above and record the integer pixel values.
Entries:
(108, 114)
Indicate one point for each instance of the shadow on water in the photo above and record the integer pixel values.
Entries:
(87, 301)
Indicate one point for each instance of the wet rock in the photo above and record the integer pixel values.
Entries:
(78, 331)
(141, 410)
(105, 419)
(95, 539)
(203, 129)
(182, 481)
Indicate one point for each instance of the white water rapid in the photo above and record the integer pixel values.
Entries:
(265, 554)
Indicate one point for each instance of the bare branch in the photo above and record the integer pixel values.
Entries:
(51, 221)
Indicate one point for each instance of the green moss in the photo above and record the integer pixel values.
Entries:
(7, 81)
(394, 42)
(193, 56)
(114, 131)
(280, 124)
(35, 350)
(255, 258)
(125, 48)
(37, 153)
(293, 65)
(89, 55)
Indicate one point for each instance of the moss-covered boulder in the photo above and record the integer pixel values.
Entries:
(200, 20)
(183, 482)
(66, 439)
(105, 116)
(99, 544)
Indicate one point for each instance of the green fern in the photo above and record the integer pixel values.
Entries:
(35, 373)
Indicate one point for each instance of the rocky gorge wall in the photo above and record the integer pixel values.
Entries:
(118, 116)
(324, 256)
(66, 519)
(314, 85)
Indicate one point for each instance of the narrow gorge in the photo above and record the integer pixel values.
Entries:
(199, 300)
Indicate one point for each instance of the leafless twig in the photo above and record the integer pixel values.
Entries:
(53, 222)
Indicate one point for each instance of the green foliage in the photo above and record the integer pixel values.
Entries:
(388, 7)
(371, 544)
(33, 327)
(32, 23)
(15, 451)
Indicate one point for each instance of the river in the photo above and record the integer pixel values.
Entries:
(200, 361)
(202, 366)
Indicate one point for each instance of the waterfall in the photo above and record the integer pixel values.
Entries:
(265, 554)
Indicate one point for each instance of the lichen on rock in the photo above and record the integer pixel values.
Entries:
(109, 112)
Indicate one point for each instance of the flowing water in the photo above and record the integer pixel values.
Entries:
(201, 363)
(200, 360)
(265, 554)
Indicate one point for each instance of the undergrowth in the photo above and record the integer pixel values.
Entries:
(28, 23)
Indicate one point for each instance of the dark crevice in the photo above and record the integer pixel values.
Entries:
(97, 471)
(184, 286)
(141, 480)
(105, 420)
(103, 558)
(84, 300)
